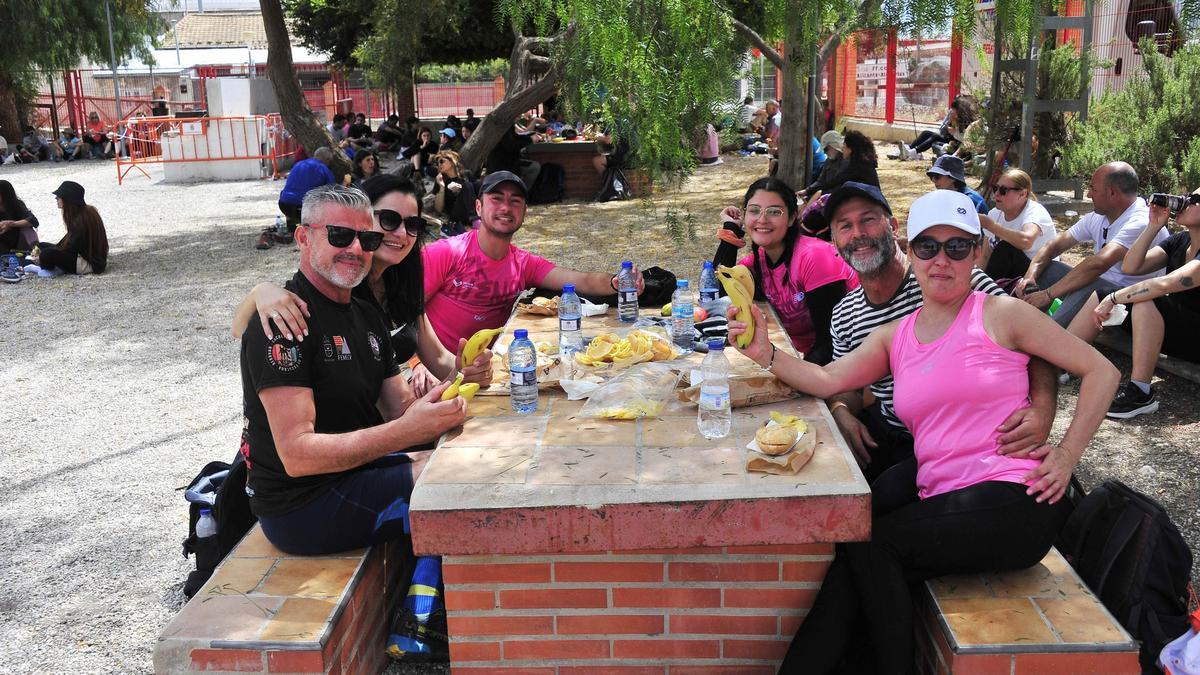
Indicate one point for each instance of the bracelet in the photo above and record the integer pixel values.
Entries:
(771, 363)
(837, 404)
(1113, 296)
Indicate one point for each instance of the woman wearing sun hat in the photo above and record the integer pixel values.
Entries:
(84, 248)
(960, 368)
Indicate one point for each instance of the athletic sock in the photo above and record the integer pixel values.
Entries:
(1144, 386)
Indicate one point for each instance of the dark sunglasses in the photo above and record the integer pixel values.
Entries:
(391, 221)
(340, 236)
(1003, 189)
(957, 248)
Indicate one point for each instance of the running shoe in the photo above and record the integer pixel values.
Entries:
(266, 240)
(11, 275)
(1131, 402)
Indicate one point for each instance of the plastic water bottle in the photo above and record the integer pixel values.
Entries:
(207, 525)
(522, 365)
(570, 330)
(708, 284)
(280, 226)
(627, 300)
(714, 417)
(682, 315)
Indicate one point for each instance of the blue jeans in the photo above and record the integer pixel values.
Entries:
(361, 509)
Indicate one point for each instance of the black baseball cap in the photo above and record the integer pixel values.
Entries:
(851, 189)
(70, 192)
(492, 181)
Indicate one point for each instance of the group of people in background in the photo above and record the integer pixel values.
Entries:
(83, 249)
(97, 141)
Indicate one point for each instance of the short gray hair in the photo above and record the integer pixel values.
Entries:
(1122, 178)
(323, 155)
(318, 197)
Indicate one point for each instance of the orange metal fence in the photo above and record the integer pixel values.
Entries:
(175, 140)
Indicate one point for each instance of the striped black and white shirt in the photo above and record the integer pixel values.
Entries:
(854, 318)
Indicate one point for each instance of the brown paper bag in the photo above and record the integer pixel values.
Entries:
(787, 464)
(747, 390)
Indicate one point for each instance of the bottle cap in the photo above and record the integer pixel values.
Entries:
(716, 345)
(204, 512)
(681, 283)
(708, 264)
(626, 265)
(568, 288)
(520, 334)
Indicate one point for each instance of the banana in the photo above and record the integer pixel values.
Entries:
(737, 295)
(468, 390)
(477, 344)
(452, 390)
(743, 276)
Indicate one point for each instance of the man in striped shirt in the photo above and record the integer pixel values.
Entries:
(864, 231)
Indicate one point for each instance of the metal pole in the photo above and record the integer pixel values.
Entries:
(367, 85)
(53, 106)
(175, 30)
(112, 54)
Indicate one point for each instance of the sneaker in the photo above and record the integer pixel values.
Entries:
(1131, 402)
(11, 275)
(265, 240)
(902, 155)
(916, 156)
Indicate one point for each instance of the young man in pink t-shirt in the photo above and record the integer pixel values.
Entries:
(472, 280)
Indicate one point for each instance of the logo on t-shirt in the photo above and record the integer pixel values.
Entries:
(798, 297)
(283, 358)
(374, 342)
(341, 347)
(460, 283)
(327, 347)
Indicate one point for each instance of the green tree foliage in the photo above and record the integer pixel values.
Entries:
(1153, 123)
(474, 71)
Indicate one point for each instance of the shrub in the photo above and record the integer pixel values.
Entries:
(1154, 124)
(478, 71)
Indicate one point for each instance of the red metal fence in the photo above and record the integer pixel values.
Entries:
(150, 141)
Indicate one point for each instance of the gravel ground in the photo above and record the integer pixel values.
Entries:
(123, 385)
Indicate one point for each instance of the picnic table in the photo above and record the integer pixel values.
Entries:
(609, 544)
(575, 157)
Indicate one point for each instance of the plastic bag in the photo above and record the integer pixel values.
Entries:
(1181, 656)
(640, 391)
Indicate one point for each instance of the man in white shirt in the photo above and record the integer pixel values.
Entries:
(1118, 217)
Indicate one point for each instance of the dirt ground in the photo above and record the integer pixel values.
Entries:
(119, 387)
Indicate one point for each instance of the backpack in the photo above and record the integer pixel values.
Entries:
(231, 510)
(1127, 550)
(613, 186)
(549, 185)
(660, 285)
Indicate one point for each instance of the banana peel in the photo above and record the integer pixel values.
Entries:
(733, 281)
(477, 343)
(454, 388)
(468, 390)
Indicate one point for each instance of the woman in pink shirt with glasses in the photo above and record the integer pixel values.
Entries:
(959, 506)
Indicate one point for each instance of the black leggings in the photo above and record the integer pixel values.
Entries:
(52, 257)
(291, 215)
(987, 527)
(1007, 262)
(926, 139)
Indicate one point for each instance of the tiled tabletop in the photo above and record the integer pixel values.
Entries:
(499, 463)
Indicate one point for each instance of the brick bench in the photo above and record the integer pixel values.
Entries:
(1037, 620)
(265, 611)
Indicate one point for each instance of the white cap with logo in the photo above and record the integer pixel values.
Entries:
(942, 207)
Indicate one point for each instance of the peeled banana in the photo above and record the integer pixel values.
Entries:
(742, 297)
(478, 343)
(468, 390)
(453, 389)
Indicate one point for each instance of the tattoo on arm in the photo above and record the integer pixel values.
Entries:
(1187, 282)
(1142, 291)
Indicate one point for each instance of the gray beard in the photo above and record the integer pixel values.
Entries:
(885, 249)
(330, 273)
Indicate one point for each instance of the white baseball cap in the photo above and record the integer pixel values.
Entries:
(942, 207)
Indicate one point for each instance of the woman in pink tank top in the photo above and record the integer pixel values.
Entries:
(960, 366)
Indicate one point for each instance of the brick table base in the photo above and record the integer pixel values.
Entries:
(700, 610)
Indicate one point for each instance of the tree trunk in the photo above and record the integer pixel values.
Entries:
(10, 116)
(793, 128)
(298, 117)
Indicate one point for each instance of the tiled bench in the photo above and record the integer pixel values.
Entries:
(1037, 620)
(265, 611)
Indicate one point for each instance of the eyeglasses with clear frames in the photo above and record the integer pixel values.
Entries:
(769, 212)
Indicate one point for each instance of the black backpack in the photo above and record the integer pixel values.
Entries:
(549, 185)
(614, 186)
(232, 514)
(1127, 550)
(660, 284)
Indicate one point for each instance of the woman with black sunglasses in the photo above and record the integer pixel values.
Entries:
(960, 365)
(1164, 312)
(394, 285)
(1019, 227)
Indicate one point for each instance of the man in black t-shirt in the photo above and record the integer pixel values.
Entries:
(323, 415)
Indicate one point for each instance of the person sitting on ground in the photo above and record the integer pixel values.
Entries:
(507, 156)
(468, 128)
(326, 417)
(18, 225)
(1119, 215)
(36, 144)
(959, 116)
(389, 134)
(612, 155)
(1164, 314)
(948, 173)
(97, 138)
(858, 164)
(770, 129)
(865, 234)
(472, 280)
(709, 151)
(448, 140)
(366, 165)
(337, 128)
(419, 153)
(84, 248)
(394, 285)
(470, 118)
(746, 114)
(802, 277)
(832, 144)
(1019, 226)
(454, 195)
(960, 365)
(359, 133)
(304, 176)
(68, 147)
